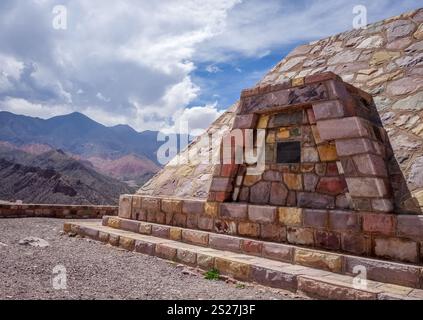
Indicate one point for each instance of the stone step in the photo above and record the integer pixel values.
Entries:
(298, 279)
(378, 270)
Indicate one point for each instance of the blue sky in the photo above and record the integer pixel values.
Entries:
(151, 64)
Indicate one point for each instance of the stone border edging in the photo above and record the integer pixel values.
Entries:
(56, 211)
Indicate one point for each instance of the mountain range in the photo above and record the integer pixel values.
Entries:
(72, 159)
(119, 151)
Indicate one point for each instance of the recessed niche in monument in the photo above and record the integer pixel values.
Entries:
(288, 152)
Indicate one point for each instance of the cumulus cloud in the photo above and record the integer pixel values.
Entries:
(133, 61)
(195, 120)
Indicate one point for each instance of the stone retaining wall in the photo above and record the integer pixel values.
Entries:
(388, 236)
(56, 211)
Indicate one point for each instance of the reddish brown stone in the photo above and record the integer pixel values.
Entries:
(352, 127)
(160, 231)
(379, 223)
(225, 243)
(278, 194)
(343, 221)
(259, 193)
(410, 226)
(281, 252)
(193, 206)
(205, 223)
(328, 110)
(350, 147)
(367, 187)
(165, 252)
(315, 200)
(221, 184)
(251, 247)
(244, 194)
(274, 278)
(262, 214)
(328, 240)
(370, 165)
(272, 175)
(179, 220)
(130, 225)
(273, 232)
(332, 169)
(160, 217)
(234, 210)
(332, 185)
(355, 243)
(315, 218)
(192, 220)
(310, 116)
(291, 201)
(229, 170)
(246, 121)
(310, 182)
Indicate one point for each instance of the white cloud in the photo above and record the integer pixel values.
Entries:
(213, 69)
(133, 61)
(10, 66)
(24, 107)
(195, 120)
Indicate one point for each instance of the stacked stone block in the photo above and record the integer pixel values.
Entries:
(344, 148)
(56, 211)
(386, 236)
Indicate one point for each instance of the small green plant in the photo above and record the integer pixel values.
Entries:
(240, 286)
(212, 274)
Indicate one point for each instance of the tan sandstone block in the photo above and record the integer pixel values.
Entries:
(290, 216)
(175, 234)
(211, 209)
(237, 270)
(293, 181)
(127, 243)
(263, 121)
(113, 223)
(145, 228)
(319, 260)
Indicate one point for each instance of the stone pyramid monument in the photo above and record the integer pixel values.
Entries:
(319, 167)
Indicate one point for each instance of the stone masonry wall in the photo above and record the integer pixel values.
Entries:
(386, 236)
(349, 159)
(56, 211)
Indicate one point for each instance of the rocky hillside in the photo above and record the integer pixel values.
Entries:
(54, 177)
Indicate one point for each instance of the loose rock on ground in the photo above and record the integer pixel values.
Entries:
(98, 271)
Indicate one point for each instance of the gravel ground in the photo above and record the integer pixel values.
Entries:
(98, 271)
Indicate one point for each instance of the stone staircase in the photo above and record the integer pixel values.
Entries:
(315, 273)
